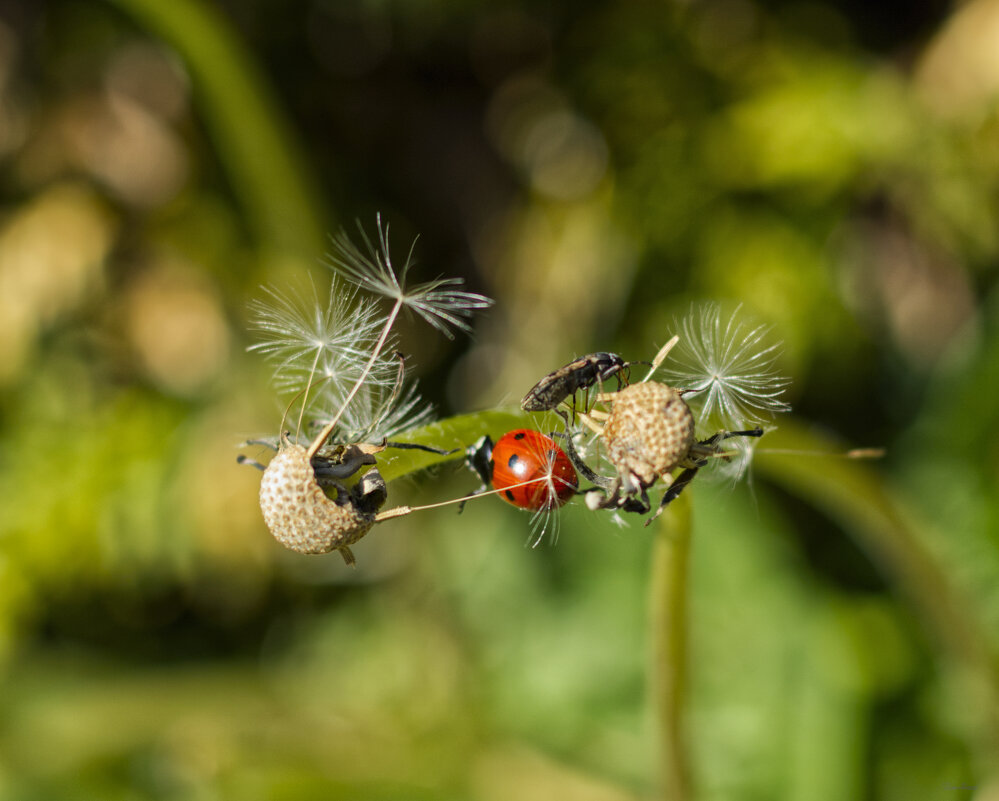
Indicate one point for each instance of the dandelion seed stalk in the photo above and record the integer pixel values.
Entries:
(328, 429)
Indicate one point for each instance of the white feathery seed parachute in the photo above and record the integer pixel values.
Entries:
(728, 367)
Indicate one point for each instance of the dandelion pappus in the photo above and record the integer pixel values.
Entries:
(581, 373)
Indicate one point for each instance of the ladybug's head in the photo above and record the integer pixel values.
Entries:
(479, 458)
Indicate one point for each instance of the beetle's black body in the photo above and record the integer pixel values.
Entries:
(581, 373)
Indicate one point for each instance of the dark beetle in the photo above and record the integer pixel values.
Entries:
(581, 373)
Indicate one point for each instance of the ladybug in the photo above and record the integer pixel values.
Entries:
(581, 373)
(529, 468)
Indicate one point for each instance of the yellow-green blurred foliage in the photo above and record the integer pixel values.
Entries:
(595, 167)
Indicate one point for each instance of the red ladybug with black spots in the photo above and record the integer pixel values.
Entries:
(529, 468)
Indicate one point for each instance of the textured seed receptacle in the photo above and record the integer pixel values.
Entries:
(650, 431)
(299, 514)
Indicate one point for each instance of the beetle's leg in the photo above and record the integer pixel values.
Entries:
(629, 502)
(580, 465)
(353, 460)
(263, 442)
(252, 462)
(753, 432)
(606, 496)
(413, 446)
(675, 489)
(636, 505)
(706, 448)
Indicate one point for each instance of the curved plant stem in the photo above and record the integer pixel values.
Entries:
(258, 149)
(669, 635)
(852, 494)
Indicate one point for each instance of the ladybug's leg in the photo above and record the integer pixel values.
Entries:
(472, 494)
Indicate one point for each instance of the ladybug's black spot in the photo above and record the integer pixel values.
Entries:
(512, 461)
(509, 495)
(519, 435)
(551, 456)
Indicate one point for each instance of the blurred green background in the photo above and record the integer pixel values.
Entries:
(595, 167)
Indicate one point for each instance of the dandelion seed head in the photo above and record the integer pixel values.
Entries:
(728, 367)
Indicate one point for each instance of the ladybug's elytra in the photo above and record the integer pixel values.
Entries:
(529, 468)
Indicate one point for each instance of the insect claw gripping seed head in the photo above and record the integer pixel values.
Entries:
(298, 513)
